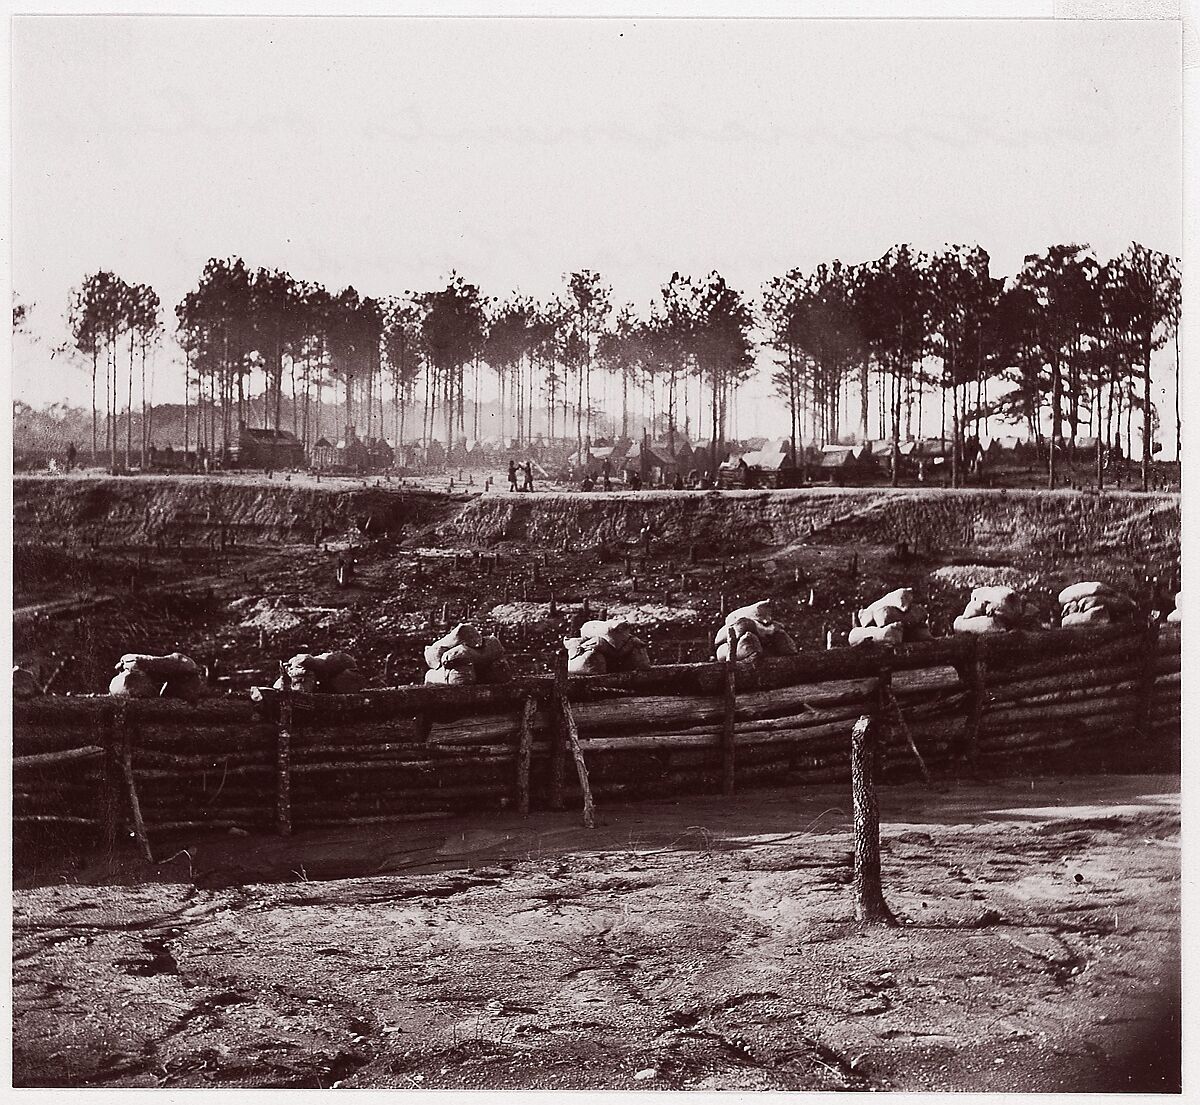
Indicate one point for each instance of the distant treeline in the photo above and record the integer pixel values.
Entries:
(1062, 347)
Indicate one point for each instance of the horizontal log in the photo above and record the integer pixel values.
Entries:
(52, 819)
(76, 756)
(1108, 704)
(389, 702)
(380, 819)
(1057, 643)
(1065, 681)
(265, 821)
(1012, 665)
(79, 710)
(1098, 692)
(1168, 679)
(187, 763)
(183, 736)
(645, 712)
(29, 739)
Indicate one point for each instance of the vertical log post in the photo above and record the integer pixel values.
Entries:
(728, 727)
(572, 740)
(1146, 691)
(976, 678)
(104, 734)
(525, 754)
(125, 746)
(558, 742)
(869, 905)
(283, 758)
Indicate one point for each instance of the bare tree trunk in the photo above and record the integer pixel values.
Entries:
(1178, 420)
(95, 355)
(869, 904)
(1147, 417)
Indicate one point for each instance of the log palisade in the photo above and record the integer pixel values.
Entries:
(99, 768)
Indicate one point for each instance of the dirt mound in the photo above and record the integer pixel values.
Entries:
(199, 509)
(252, 509)
(1062, 522)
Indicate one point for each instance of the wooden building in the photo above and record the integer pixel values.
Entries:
(268, 449)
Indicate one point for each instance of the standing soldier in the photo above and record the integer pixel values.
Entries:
(528, 476)
(512, 476)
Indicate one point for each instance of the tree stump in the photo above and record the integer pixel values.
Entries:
(869, 905)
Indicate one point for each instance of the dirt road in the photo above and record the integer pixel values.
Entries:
(699, 944)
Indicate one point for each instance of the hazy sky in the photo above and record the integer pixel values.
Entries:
(383, 153)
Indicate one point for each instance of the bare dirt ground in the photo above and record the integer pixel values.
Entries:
(703, 943)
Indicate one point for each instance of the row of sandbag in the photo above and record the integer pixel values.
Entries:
(322, 673)
(1094, 604)
(996, 609)
(604, 647)
(143, 676)
(753, 631)
(895, 619)
(464, 656)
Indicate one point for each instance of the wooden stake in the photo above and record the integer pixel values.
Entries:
(572, 736)
(869, 905)
(283, 753)
(1146, 703)
(525, 754)
(126, 760)
(894, 708)
(728, 728)
(976, 679)
(110, 794)
(558, 744)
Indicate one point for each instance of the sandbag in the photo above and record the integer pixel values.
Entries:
(324, 665)
(587, 662)
(749, 647)
(434, 654)
(133, 683)
(1174, 617)
(879, 616)
(1082, 591)
(780, 643)
(490, 650)
(348, 681)
(637, 658)
(1004, 601)
(332, 663)
(980, 624)
(976, 608)
(762, 614)
(305, 682)
(877, 634)
(187, 687)
(452, 677)
(460, 656)
(1098, 615)
(745, 627)
(174, 663)
(462, 634)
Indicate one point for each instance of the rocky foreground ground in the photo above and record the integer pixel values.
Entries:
(695, 944)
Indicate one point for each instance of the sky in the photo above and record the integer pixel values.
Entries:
(384, 153)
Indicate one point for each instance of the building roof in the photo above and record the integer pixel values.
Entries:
(264, 434)
(768, 460)
(836, 456)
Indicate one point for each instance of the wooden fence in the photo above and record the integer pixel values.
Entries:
(281, 760)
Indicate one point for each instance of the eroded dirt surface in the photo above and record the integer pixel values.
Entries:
(695, 944)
